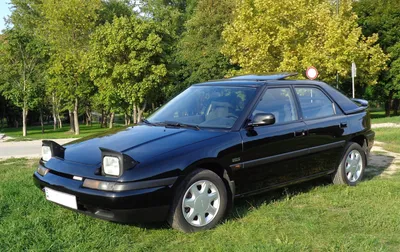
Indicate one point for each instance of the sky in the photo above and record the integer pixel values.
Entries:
(4, 11)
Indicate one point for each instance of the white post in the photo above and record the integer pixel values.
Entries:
(353, 74)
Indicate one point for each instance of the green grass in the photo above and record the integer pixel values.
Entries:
(315, 216)
(390, 137)
(35, 132)
(379, 117)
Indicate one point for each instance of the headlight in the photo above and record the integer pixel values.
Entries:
(111, 166)
(46, 153)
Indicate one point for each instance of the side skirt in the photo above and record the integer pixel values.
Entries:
(266, 189)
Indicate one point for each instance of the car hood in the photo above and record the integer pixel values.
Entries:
(141, 142)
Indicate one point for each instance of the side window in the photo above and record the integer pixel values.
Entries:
(314, 103)
(280, 103)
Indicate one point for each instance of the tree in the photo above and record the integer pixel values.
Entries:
(290, 35)
(126, 63)
(383, 17)
(201, 43)
(22, 58)
(66, 27)
(170, 16)
(114, 8)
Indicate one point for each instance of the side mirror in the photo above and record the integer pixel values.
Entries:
(262, 119)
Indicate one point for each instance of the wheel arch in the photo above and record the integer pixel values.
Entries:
(224, 173)
(363, 142)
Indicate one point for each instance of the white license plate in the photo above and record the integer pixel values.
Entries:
(61, 198)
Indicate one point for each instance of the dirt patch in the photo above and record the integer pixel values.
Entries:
(382, 162)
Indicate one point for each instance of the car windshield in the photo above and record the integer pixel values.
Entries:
(205, 106)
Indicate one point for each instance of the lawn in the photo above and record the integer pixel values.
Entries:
(35, 132)
(379, 117)
(315, 216)
(390, 137)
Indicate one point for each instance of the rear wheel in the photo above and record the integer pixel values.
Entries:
(200, 202)
(352, 166)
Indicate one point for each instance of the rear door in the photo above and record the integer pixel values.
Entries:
(271, 152)
(326, 127)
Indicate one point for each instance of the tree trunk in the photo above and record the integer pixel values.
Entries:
(59, 121)
(105, 119)
(54, 113)
(396, 103)
(134, 117)
(88, 116)
(127, 118)
(112, 120)
(140, 112)
(24, 115)
(71, 121)
(102, 118)
(76, 119)
(41, 120)
(388, 104)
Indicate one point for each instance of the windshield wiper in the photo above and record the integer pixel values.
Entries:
(145, 121)
(180, 125)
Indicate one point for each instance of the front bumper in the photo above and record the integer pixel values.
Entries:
(132, 206)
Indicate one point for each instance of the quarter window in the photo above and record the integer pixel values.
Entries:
(314, 103)
(280, 103)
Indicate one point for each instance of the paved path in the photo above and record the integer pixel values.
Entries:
(28, 149)
(385, 125)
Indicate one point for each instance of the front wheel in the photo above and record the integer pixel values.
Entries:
(200, 202)
(352, 166)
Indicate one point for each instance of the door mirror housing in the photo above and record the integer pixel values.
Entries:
(261, 119)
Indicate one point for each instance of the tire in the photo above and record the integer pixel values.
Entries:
(199, 209)
(354, 172)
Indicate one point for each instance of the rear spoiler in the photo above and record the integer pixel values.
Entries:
(363, 105)
(360, 102)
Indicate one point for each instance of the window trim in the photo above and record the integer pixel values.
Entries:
(295, 101)
(294, 86)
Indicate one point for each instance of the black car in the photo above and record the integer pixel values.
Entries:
(214, 142)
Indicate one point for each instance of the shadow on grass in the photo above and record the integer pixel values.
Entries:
(244, 205)
(378, 163)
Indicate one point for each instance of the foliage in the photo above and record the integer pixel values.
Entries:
(289, 35)
(383, 17)
(66, 27)
(23, 55)
(114, 8)
(201, 43)
(170, 16)
(126, 61)
(121, 56)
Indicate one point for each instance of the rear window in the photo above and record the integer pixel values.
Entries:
(347, 105)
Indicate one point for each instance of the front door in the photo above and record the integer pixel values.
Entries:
(270, 152)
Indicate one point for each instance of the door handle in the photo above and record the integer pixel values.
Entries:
(300, 133)
(343, 125)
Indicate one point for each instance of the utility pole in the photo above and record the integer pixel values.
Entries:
(337, 6)
(353, 74)
(337, 73)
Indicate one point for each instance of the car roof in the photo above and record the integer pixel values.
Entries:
(255, 80)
